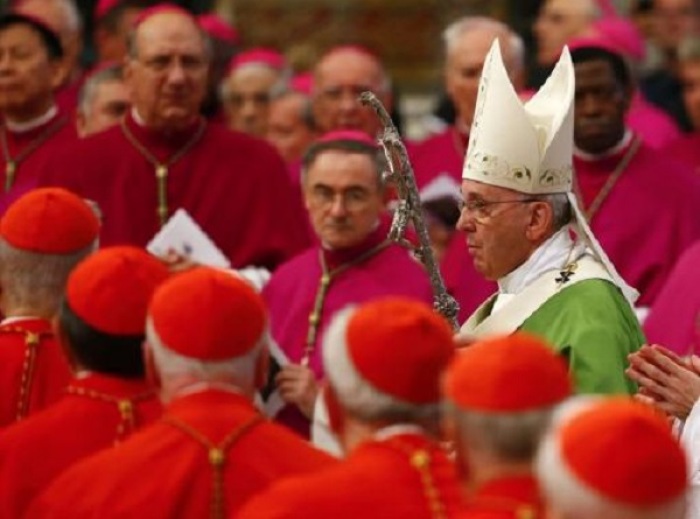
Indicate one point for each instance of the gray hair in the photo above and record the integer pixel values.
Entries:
(238, 370)
(689, 49)
(515, 45)
(510, 437)
(35, 281)
(561, 209)
(90, 87)
(357, 396)
(349, 146)
(281, 90)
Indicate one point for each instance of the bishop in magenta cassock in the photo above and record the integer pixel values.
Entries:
(33, 128)
(42, 237)
(382, 402)
(212, 450)
(674, 319)
(101, 325)
(640, 204)
(165, 156)
(354, 263)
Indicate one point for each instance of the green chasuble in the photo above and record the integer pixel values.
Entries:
(594, 328)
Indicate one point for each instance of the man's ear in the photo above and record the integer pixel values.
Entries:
(541, 221)
(59, 73)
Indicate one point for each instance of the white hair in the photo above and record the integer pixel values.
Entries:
(510, 437)
(573, 498)
(458, 29)
(93, 83)
(36, 281)
(357, 396)
(74, 23)
(238, 370)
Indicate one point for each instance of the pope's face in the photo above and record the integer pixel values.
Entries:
(168, 76)
(343, 197)
(495, 233)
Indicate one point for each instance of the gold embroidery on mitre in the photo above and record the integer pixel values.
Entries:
(490, 166)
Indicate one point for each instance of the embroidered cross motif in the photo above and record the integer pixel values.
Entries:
(566, 273)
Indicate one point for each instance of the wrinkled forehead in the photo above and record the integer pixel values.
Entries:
(169, 33)
(348, 67)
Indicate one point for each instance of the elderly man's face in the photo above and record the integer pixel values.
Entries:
(339, 79)
(495, 220)
(167, 78)
(600, 105)
(690, 79)
(559, 21)
(343, 197)
(27, 75)
(247, 100)
(109, 103)
(287, 130)
(463, 69)
(673, 20)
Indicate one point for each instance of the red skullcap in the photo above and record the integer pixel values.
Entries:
(49, 221)
(302, 83)
(218, 28)
(110, 290)
(513, 373)
(262, 55)
(104, 7)
(348, 135)
(400, 347)
(208, 314)
(616, 445)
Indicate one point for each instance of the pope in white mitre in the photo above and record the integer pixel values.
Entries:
(524, 230)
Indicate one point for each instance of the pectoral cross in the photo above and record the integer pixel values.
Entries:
(10, 169)
(566, 273)
(162, 178)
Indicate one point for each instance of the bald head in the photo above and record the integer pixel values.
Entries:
(339, 77)
(467, 42)
(166, 71)
(558, 22)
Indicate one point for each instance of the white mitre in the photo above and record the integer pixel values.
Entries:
(529, 147)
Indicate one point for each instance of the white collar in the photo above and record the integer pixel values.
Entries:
(624, 142)
(137, 117)
(34, 123)
(397, 429)
(553, 254)
(16, 319)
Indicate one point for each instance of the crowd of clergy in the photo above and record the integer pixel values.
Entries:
(318, 372)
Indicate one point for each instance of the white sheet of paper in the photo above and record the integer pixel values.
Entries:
(184, 236)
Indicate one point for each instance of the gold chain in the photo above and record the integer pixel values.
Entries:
(216, 455)
(31, 342)
(420, 460)
(12, 163)
(162, 168)
(125, 406)
(325, 282)
(610, 182)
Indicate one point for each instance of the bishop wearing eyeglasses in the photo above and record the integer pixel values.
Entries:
(164, 156)
(354, 263)
(524, 230)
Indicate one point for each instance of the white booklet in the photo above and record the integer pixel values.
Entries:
(184, 236)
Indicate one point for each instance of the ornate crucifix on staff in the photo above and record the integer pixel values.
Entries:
(409, 209)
